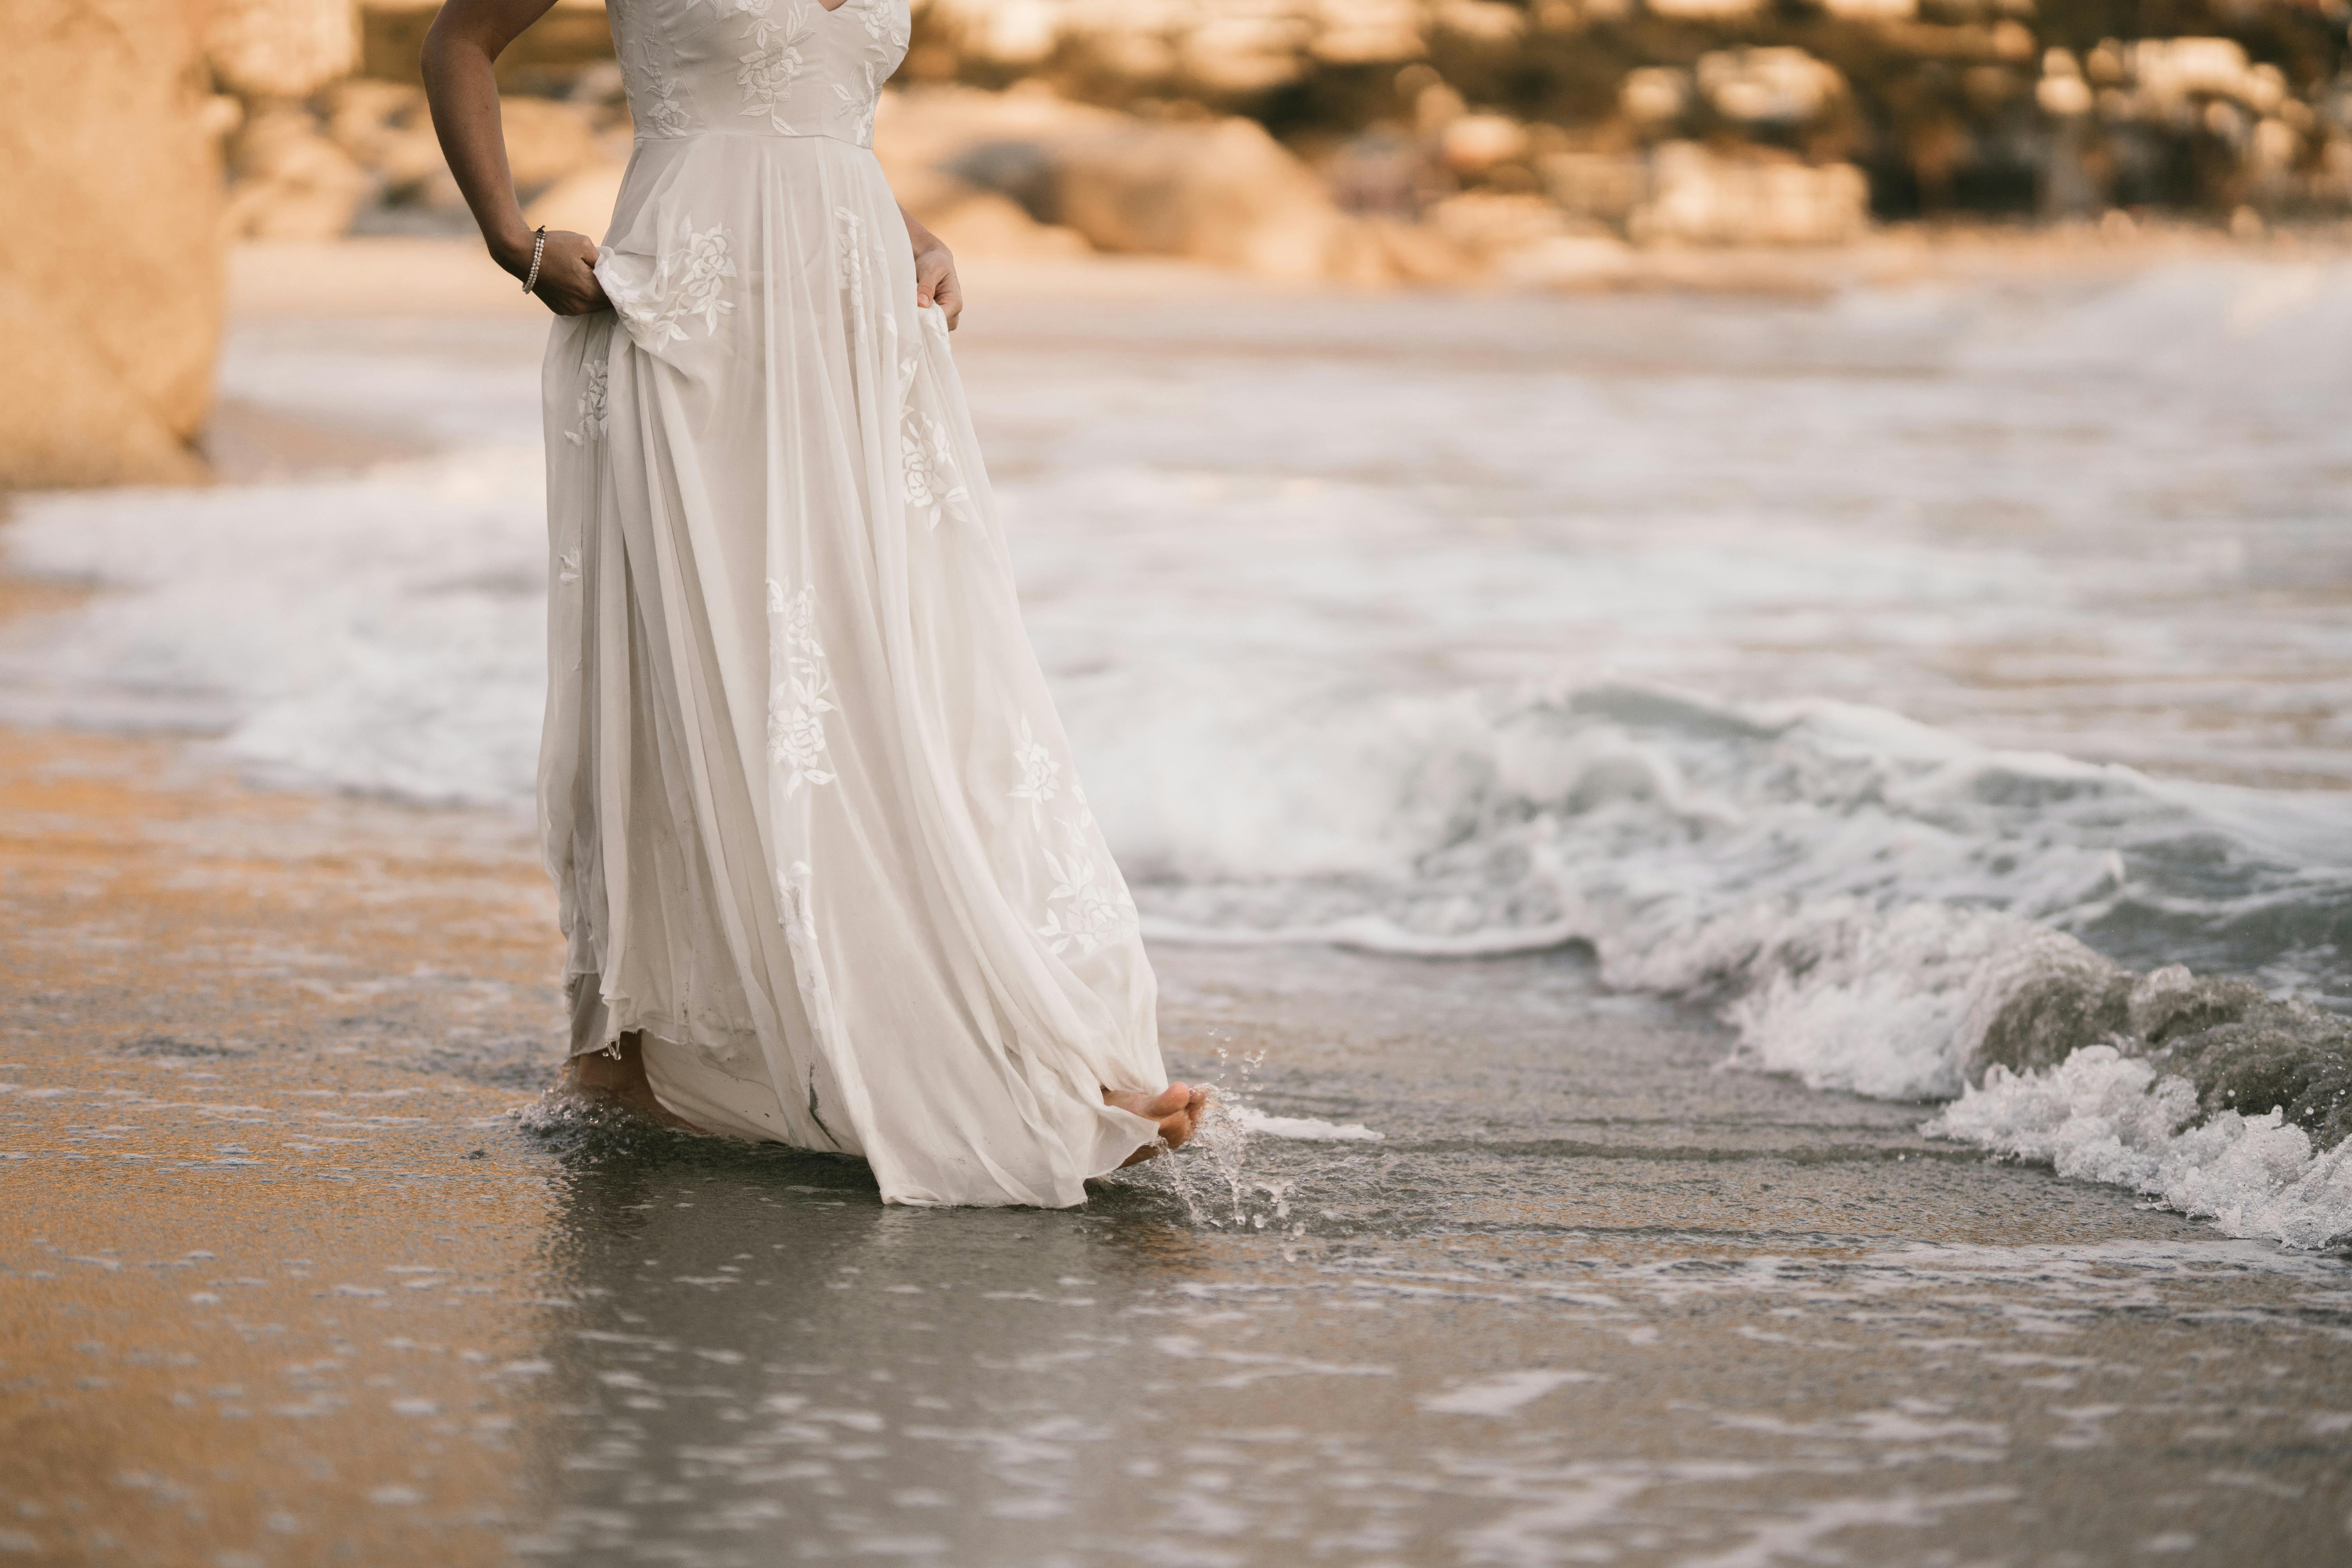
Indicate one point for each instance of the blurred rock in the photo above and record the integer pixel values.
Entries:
(1705, 10)
(387, 130)
(1222, 191)
(1486, 224)
(1568, 261)
(1768, 85)
(1225, 192)
(309, 171)
(1485, 21)
(1473, 143)
(110, 263)
(2172, 70)
(1369, 32)
(923, 130)
(1940, 104)
(546, 140)
(1385, 171)
(1699, 198)
(582, 202)
(1654, 95)
(985, 226)
(2061, 92)
(292, 181)
(1371, 251)
(281, 49)
(1250, 51)
(1606, 187)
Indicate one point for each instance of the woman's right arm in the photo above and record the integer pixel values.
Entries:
(463, 89)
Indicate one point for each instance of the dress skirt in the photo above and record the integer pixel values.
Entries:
(809, 810)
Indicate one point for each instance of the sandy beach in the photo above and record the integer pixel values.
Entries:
(1513, 1261)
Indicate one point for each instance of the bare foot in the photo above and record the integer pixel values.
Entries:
(1177, 1109)
(619, 1081)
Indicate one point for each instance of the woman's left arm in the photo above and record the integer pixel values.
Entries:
(935, 273)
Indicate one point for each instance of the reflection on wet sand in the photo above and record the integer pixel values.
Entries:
(762, 1351)
(256, 1270)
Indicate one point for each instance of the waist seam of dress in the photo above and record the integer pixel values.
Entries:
(644, 141)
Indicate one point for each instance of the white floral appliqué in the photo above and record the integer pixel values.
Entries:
(799, 689)
(593, 420)
(882, 26)
(767, 74)
(1088, 907)
(1041, 775)
(653, 92)
(849, 258)
(858, 104)
(690, 282)
(932, 478)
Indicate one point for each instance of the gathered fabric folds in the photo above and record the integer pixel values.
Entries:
(811, 815)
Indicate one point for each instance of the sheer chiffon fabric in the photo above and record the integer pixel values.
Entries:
(809, 810)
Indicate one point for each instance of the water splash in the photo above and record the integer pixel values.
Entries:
(1214, 1176)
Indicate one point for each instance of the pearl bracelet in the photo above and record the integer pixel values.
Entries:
(538, 249)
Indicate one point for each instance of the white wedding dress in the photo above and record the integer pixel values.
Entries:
(804, 797)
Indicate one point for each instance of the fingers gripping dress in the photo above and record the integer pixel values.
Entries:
(804, 797)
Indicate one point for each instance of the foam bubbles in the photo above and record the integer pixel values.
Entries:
(1303, 1128)
(2105, 1117)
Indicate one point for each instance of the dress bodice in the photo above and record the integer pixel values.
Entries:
(757, 67)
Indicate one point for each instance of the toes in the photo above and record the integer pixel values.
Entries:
(1176, 1109)
(1170, 1101)
(1179, 1121)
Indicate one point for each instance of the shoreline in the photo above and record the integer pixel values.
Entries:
(407, 275)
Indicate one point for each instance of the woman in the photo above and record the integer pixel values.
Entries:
(828, 874)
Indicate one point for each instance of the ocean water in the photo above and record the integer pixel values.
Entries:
(1945, 687)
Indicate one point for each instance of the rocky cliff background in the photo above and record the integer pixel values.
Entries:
(109, 255)
(1440, 140)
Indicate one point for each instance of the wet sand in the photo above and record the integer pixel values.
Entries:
(284, 1279)
(285, 1283)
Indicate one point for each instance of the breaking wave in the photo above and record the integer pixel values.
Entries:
(1874, 906)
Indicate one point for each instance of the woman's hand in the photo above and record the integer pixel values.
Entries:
(462, 87)
(567, 273)
(936, 283)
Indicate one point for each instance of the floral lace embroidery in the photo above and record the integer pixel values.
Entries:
(1088, 907)
(849, 258)
(768, 73)
(653, 91)
(656, 106)
(761, 25)
(766, 78)
(687, 283)
(859, 106)
(800, 688)
(1040, 774)
(593, 421)
(882, 25)
(931, 473)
